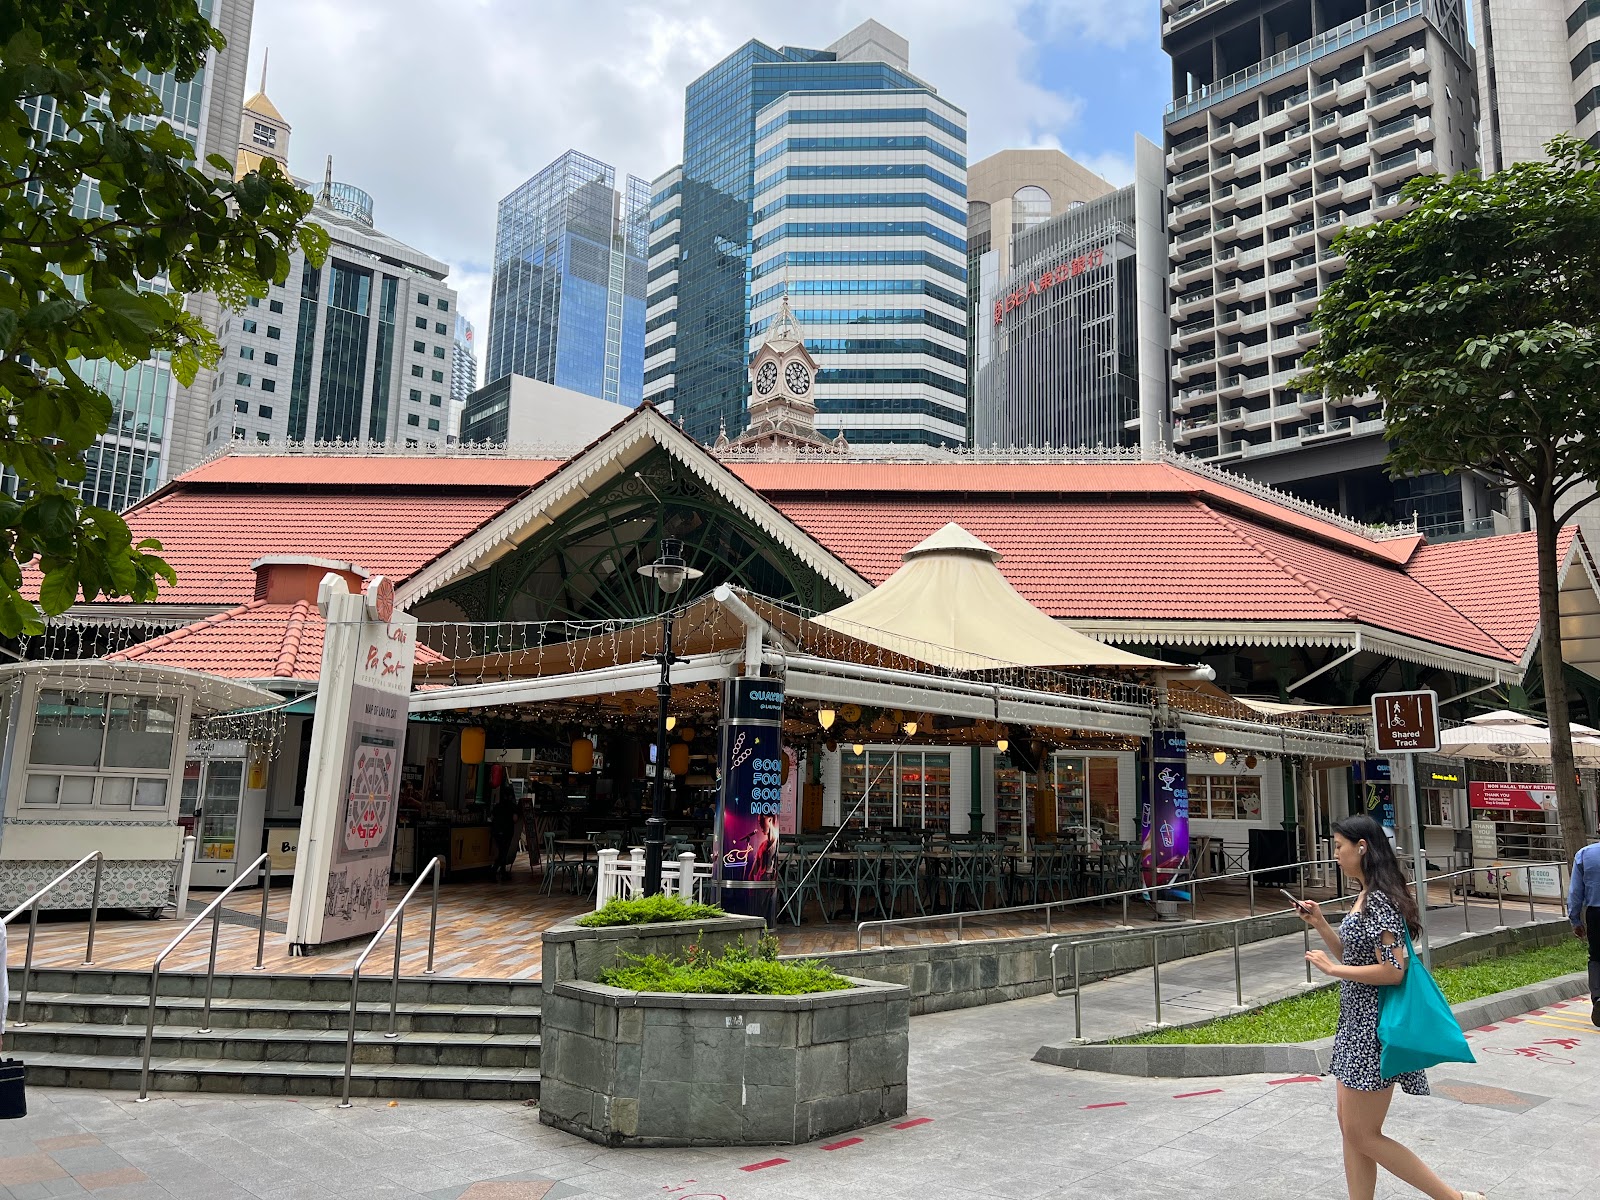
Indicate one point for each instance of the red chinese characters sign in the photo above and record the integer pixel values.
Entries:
(1051, 278)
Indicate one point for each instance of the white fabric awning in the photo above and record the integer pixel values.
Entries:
(949, 605)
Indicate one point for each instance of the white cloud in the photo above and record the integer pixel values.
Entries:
(438, 110)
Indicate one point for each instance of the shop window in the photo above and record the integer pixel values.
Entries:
(99, 731)
(885, 789)
(1225, 797)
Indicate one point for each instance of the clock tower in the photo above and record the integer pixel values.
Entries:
(783, 407)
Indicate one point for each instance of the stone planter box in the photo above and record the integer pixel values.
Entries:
(628, 1068)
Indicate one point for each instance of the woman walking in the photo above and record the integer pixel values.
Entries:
(1365, 953)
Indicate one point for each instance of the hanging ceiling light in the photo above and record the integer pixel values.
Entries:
(858, 749)
(911, 728)
(672, 723)
(1219, 757)
(825, 717)
(1002, 745)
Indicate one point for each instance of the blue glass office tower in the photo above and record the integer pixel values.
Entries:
(837, 179)
(568, 298)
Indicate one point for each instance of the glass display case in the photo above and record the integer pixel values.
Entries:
(1013, 802)
(883, 788)
(924, 791)
(867, 789)
(1072, 796)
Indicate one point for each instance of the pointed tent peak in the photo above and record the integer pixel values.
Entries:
(1504, 716)
(952, 539)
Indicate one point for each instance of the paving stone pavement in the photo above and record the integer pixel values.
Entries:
(1523, 1124)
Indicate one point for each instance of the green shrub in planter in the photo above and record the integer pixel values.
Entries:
(739, 971)
(649, 910)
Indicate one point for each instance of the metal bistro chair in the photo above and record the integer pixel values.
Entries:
(905, 877)
(991, 878)
(1040, 874)
(863, 876)
(558, 865)
(966, 865)
(799, 880)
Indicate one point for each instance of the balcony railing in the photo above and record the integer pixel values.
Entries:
(1386, 61)
(1329, 42)
(1399, 159)
(1393, 91)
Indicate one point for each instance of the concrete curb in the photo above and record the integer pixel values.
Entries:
(1288, 1058)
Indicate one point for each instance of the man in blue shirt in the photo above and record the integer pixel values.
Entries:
(1583, 910)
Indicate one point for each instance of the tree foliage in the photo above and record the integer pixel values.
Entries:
(106, 222)
(1475, 319)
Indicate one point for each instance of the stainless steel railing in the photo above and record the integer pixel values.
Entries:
(1191, 885)
(31, 907)
(397, 918)
(214, 911)
(1237, 923)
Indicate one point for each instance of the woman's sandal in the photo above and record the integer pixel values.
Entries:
(1473, 1196)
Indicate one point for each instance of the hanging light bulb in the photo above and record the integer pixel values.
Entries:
(1002, 745)
(858, 749)
(672, 723)
(911, 728)
(1219, 757)
(825, 717)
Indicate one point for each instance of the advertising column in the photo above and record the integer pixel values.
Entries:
(341, 880)
(750, 796)
(1164, 813)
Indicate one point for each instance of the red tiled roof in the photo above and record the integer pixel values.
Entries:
(254, 641)
(1063, 480)
(295, 470)
(1494, 581)
(210, 538)
(1132, 557)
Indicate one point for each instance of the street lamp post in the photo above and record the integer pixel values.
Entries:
(669, 571)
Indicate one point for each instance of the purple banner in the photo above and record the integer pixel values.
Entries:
(750, 800)
(1164, 813)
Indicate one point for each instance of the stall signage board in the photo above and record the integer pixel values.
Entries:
(1377, 790)
(1513, 797)
(1406, 722)
(750, 796)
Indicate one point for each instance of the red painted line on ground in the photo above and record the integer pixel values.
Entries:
(843, 1144)
(1487, 1028)
(1191, 1095)
(762, 1166)
(915, 1121)
(1112, 1104)
(1512, 1021)
(1537, 1012)
(1298, 1079)
(1559, 1004)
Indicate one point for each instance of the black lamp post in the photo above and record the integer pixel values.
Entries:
(669, 571)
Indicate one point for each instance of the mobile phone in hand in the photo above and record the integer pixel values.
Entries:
(1290, 895)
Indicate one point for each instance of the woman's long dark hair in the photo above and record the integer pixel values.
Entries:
(1380, 868)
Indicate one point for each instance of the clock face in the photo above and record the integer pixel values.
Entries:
(767, 378)
(798, 378)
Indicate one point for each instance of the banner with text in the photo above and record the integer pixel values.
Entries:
(1164, 814)
(750, 795)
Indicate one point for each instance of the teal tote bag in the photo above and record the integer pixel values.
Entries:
(1416, 1028)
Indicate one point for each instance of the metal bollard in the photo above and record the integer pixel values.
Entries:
(1124, 909)
(1077, 996)
(1306, 939)
(1466, 907)
(1532, 916)
(1252, 879)
(1500, 897)
(1155, 969)
(1238, 974)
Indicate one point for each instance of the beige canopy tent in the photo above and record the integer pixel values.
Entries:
(949, 605)
(1505, 736)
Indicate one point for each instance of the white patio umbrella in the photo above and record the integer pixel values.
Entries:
(1514, 737)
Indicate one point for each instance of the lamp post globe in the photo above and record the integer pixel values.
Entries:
(670, 572)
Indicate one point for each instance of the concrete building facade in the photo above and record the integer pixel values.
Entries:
(1292, 121)
(1538, 73)
(464, 371)
(518, 411)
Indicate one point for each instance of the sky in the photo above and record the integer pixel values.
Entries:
(440, 107)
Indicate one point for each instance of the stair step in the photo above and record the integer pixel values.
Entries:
(396, 1080)
(287, 1046)
(252, 985)
(80, 1008)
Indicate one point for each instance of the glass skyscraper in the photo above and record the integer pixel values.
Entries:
(837, 179)
(568, 298)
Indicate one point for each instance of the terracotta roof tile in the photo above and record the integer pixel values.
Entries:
(256, 640)
(370, 470)
(1492, 581)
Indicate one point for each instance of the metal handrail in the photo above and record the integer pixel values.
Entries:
(31, 905)
(1236, 923)
(214, 911)
(1191, 885)
(397, 918)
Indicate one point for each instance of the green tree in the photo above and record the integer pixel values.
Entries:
(1475, 318)
(106, 222)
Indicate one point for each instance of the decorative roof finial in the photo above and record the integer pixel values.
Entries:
(327, 182)
(265, 54)
(783, 325)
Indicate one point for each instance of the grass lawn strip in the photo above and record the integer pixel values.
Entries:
(1315, 1014)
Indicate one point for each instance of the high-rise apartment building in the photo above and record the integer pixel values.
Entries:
(158, 426)
(464, 375)
(568, 298)
(1539, 75)
(1291, 121)
(837, 180)
(1007, 194)
(1074, 347)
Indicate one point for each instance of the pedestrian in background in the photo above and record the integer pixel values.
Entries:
(1583, 910)
(1365, 953)
(503, 829)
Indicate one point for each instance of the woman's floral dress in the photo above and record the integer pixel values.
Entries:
(1355, 1044)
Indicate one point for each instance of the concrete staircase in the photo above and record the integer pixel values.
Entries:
(458, 1039)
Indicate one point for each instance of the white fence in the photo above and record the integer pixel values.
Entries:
(623, 877)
